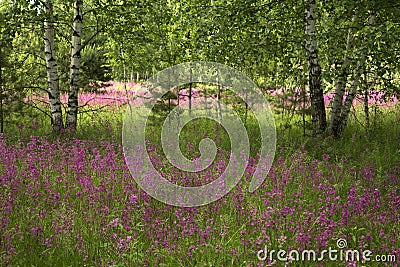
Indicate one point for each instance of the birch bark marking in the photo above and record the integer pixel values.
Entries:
(219, 111)
(354, 85)
(1, 101)
(335, 114)
(51, 67)
(316, 92)
(72, 114)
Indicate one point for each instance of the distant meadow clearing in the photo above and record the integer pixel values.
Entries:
(71, 201)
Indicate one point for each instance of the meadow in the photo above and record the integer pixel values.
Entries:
(71, 200)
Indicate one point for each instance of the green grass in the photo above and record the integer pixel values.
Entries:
(308, 189)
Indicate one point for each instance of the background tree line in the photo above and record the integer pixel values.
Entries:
(55, 47)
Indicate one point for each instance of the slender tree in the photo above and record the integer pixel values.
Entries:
(1, 100)
(51, 66)
(75, 67)
(316, 92)
(335, 114)
(354, 85)
(341, 107)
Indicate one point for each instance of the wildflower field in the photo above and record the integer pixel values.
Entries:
(71, 200)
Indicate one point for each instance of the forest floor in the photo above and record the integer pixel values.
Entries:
(71, 200)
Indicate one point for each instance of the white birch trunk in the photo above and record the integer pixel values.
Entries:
(316, 92)
(219, 111)
(350, 97)
(51, 66)
(335, 114)
(72, 114)
(1, 101)
(353, 88)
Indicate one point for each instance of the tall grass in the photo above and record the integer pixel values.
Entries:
(71, 201)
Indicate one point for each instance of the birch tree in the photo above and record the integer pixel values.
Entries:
(75, 67)
(341, 106)
(335, 114)
(51, 66)
(345, 109)
(316, 92)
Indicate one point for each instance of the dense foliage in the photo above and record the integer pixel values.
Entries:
(357, 42)
(330, 70)
(72, 201)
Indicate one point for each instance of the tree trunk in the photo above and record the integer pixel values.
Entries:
(1, 102)
(345, 109)
(190, 91)
(51, 66)
(335, 114)
(350, 97)
(72, 114)
(219, 111)
(366, 105)
(316, 92)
